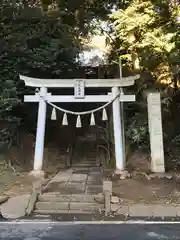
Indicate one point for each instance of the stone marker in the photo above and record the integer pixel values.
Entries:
(15, 207)
(155, 132)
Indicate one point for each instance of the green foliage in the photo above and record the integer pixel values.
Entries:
(137, 131)
(40, 39)
(51, 52)
(143, 28)
(33, 43)
(148, 40)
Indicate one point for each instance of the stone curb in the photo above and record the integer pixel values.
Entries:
(146, 210)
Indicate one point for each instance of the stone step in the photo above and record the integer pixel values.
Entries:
(57, 197)
(87, 160)
(47, 213)
(92, 153)
(56, 203)
(52, 206)
(84, 164)
(61, 207)
(87, 207)
(50, 211)
(87, 139)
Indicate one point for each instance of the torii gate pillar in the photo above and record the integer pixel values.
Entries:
(37, 174)
(40, 132)
(118, 133)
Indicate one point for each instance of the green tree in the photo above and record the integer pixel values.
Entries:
(40, 38)
(148, 36)
(34, 43)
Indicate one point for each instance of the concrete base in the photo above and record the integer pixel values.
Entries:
(37, 178)
(122, 174)
(157, 168)
(36, 175)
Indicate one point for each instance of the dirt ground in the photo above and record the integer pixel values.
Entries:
(135, 190)
(141, 190)
(13, 184)
(14, 179)
(18, 182)
(132, 190)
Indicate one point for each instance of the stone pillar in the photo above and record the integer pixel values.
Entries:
(118, 134)
(155, 132)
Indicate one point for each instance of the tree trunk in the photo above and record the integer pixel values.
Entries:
(134, 55)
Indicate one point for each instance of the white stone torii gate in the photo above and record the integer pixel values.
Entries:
(79, 96)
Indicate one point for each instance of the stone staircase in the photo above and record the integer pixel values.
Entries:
(85, 152)
(87, 160)
(91, 149)
(73, 191)
(55, 203)
(79, 189)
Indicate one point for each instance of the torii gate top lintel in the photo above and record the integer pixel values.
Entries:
(69, 83)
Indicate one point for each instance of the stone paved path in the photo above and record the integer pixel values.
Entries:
(78, 181)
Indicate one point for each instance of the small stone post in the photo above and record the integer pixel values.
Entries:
(155, 132)
(107, 190)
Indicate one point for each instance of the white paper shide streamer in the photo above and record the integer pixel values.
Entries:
(104, 115)
(65, 121)
(78, 114)
(78, 122)
(92, 121)
(53, 114)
